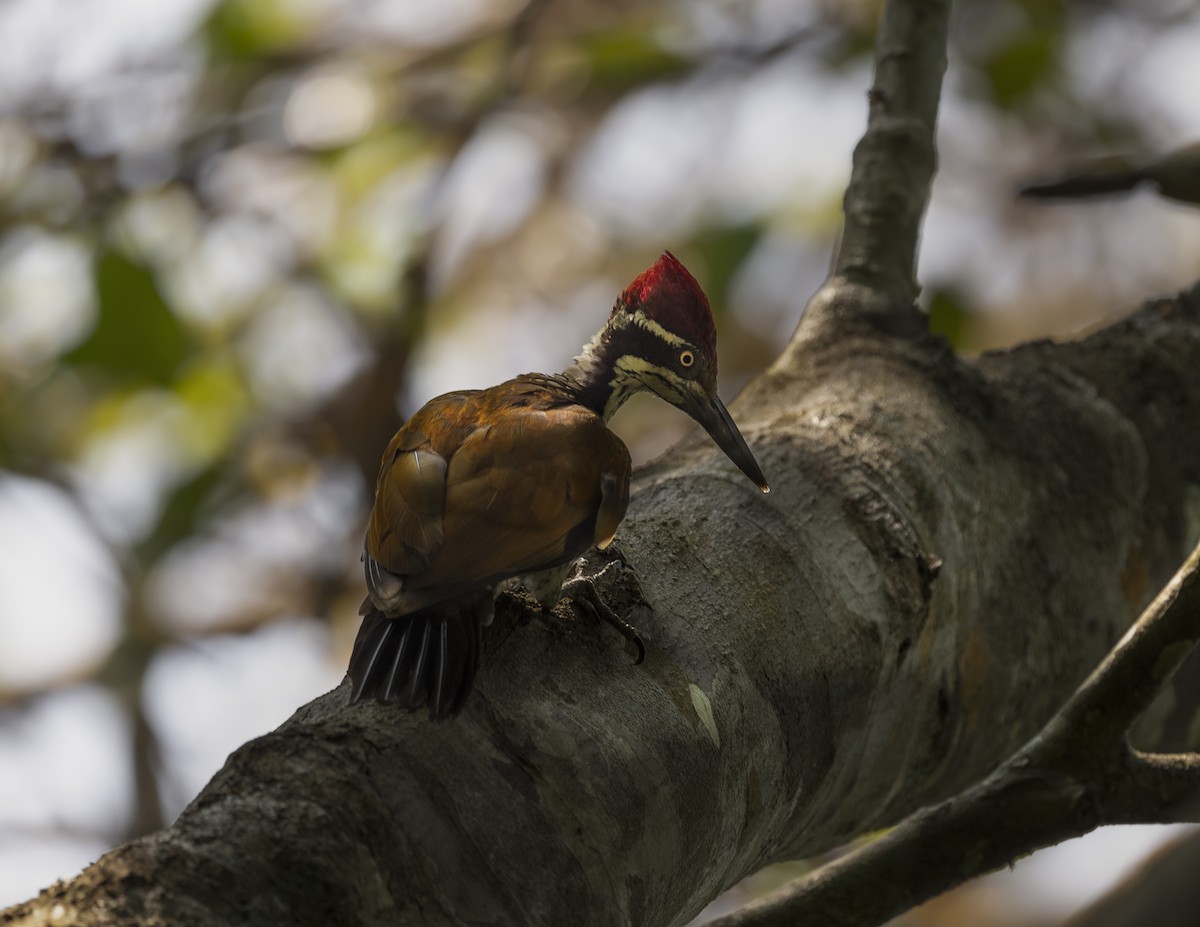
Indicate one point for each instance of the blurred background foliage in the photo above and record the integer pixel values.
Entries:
(240, 240)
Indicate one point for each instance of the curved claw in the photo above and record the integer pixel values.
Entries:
(636, 640)
(582, 590)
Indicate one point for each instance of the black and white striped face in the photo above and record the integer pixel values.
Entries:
(645, 355)
(660, 337)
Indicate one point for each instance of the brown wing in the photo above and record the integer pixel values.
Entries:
(536, 488)
(405, 530)
(614, 499)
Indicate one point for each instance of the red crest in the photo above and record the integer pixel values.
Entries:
(668, 294)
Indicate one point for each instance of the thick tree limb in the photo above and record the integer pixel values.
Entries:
(1075, 775)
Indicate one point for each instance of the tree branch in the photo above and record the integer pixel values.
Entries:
(1075, 775)
(1102, 710)
(1156, 788)
(895, 161)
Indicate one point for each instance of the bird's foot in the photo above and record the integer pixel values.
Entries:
(583, 590)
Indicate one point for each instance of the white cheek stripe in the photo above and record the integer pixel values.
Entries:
(640, 318)
(641, 372)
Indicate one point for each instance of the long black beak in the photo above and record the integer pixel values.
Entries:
(710, 412)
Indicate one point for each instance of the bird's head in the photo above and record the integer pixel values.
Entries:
(661, 337)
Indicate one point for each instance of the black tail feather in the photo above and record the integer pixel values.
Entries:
(427, 658)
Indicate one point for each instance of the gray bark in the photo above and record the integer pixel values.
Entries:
(1076, 773)
(812, 674)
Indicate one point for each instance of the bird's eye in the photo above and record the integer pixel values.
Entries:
(687, 358)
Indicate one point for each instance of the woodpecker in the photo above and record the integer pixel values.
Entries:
(519, 480)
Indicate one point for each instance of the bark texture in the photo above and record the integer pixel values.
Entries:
(949, 548)
(1076, 773)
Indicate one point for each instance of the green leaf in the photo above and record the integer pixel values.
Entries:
(136, 337)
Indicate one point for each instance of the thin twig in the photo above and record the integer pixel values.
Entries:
(1128, 679)
(895, 161)
(1158, 788)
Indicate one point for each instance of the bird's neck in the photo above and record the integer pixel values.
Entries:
(602, 376)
